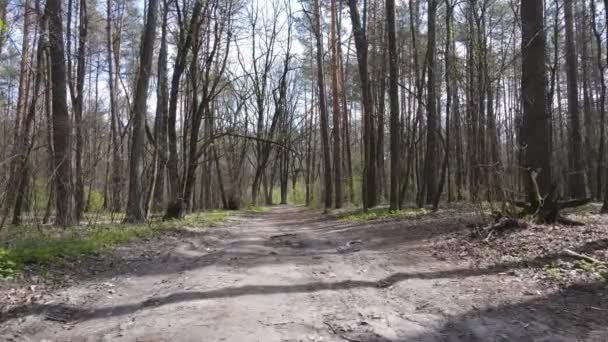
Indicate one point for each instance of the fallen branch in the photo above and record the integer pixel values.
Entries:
(574, 254)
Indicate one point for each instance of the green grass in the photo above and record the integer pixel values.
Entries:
(25, 245)
(597, 269)
(553, 271)
(380, 214)
(255, 210)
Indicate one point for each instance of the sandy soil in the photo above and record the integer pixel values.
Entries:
(294, 275)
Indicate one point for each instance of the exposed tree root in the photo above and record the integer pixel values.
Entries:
(546, 210)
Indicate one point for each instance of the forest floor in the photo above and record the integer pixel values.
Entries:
(294, 274)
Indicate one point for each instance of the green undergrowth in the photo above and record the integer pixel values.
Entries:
(359, 215)
(42, 245)
(560, 274)
(598, 269)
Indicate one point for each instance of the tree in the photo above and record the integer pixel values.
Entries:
(136, 200)
(175, 206)
(160, 120)
(577, 187)
(535, 131)
(17, 165)
(369, 156)
(336, 115)
(114, 162)
(429, 187)
(395, 126)
(323, 117)
(605, 204)
(60, 116)
(77, 95)
(602, 105)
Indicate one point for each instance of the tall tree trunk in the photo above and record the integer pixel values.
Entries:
(17, 158)
(395, 126)
(450, 96)
(308, 121)
(61, 118)
(77, 103)
(184, 44)
(605, 205)
(22, 147)
(337, 131)
(429, 190)
(160, 121)
(346, 156)
(589, 146)
(115, 177)
(576, 165)
(536, 124)
(323, 109)
(599, 172)
(369, 161)
(136, 200)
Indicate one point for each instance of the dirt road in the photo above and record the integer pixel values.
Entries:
(294, 275)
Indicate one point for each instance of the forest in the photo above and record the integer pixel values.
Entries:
(350, 126)
(166, 108)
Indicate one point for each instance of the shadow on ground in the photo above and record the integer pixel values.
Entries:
(576, 313)
(232, 292)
